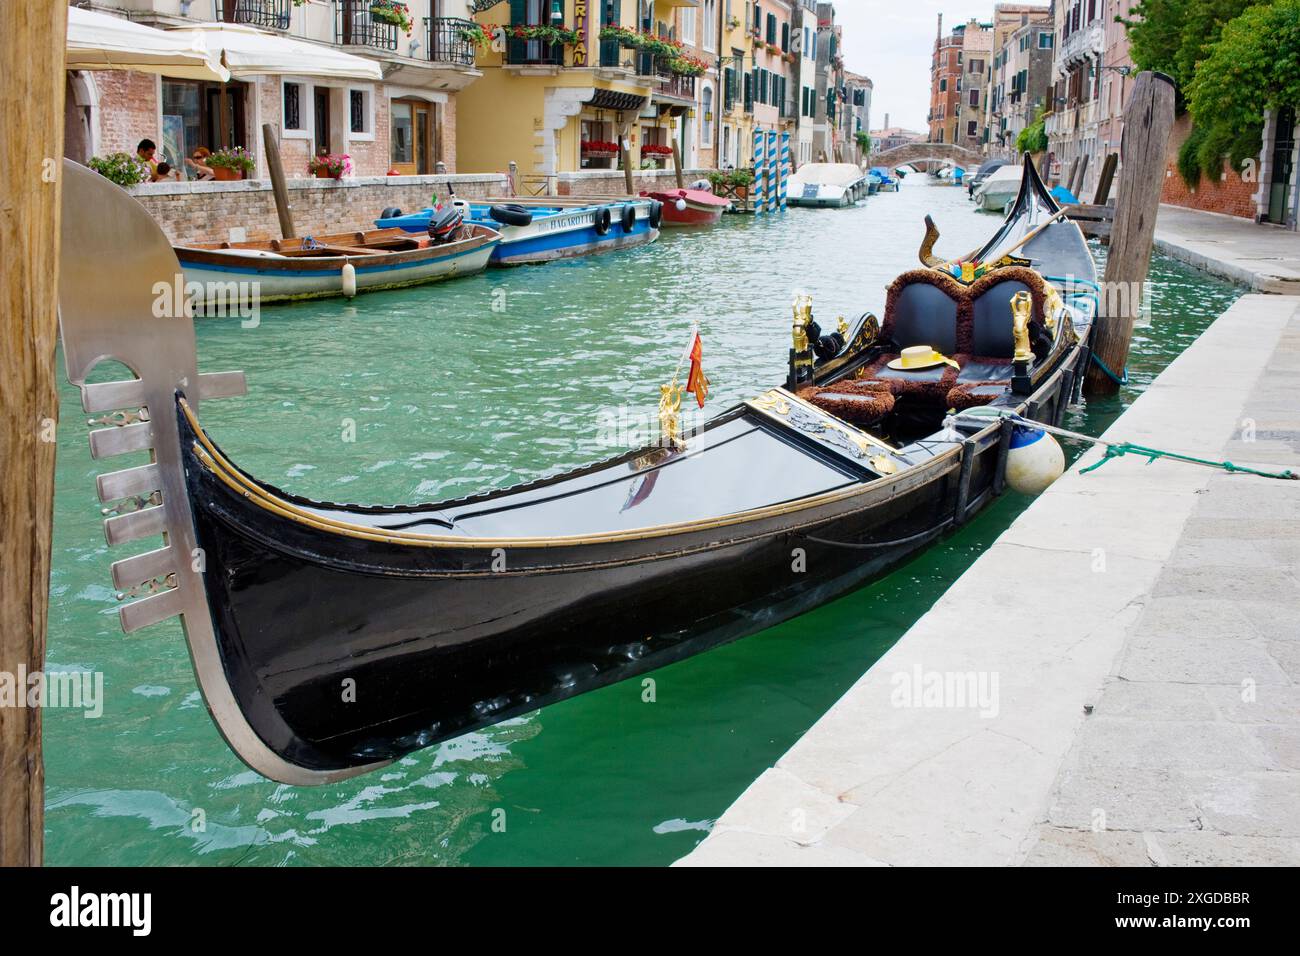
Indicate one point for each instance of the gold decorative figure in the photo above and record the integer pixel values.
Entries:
(1022, 307)
(670, 405)
(802, 316)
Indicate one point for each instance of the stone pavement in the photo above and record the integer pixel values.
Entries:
(1116, 680)
(1264, 258)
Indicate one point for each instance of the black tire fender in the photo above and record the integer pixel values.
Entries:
(627, 218)
(656, 213)
(603, 220)
(511, 214)
(392, 212)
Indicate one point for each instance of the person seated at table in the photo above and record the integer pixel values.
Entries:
(198, 168)
(145, 151)
(164, 171)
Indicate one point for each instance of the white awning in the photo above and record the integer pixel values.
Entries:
(247, 51)
(99, 41)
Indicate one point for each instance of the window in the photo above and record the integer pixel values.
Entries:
(943, 85)
(975, 97)
(729, 90)
(710, 24)
(688, 26)
(1045, 41)
(808, 48)
(975, 66)
(771, 28)
(972, 129)
(785, 38)
(707, 125)
(293, 97)
(359, 112)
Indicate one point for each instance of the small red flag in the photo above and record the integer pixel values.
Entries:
(696, 383)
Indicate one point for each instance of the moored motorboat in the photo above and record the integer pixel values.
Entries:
(827, 185)
(690, 207)
(329, 639)
(888, 183)
(338, 264)
(999, 189)
(544, 229)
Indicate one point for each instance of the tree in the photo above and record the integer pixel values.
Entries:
(1254, 66)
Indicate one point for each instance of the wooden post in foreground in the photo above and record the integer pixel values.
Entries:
(278, 188)
(1147, 124)
(31, 151)
(677, 163)
(1106, 181)
(626, 155)
(1080, 175)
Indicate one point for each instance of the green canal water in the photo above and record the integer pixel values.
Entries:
(482, 383)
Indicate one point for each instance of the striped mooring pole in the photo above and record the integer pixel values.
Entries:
(773, 170)
(758, 190)
(785, 168)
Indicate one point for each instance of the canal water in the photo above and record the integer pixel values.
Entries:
(481, 383)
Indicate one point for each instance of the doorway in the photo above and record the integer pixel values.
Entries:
(414, 137)
(1279, 190)
(222, 120)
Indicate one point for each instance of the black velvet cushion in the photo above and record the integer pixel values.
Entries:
(992, 323)
(925, 315)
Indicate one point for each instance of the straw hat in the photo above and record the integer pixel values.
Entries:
(920, 357)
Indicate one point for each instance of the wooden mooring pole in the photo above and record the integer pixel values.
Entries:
(1147, 125)
(31, 150)
(1106, 181)
(278, 188)
(677, 163)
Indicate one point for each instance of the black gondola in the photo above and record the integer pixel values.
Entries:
(329, 639)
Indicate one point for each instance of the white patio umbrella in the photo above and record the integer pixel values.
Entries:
(98, 41)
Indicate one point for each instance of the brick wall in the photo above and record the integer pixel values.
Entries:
(206, 212)
(448, 133)
(128, 110)
(612, 183)
(1229, 195)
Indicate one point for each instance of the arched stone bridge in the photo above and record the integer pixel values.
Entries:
(927, 152)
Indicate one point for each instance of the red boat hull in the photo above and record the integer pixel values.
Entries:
(702, 208)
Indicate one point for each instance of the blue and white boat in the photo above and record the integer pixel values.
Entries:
(888, 184)
(543, 230)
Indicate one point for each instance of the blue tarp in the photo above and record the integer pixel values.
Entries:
(1064, 196)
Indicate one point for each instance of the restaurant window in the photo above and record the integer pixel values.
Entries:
(198, 114)
(293, 94)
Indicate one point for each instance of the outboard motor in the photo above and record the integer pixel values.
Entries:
(445, 223)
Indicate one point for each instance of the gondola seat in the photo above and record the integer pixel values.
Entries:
(972, 325)
(861, 403)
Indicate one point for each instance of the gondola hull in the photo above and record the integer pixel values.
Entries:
(435, 643)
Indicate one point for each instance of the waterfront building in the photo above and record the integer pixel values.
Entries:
(772, 56)
(1072, 126)
(1021, 78)
(856, 114)
(804, 79)
(970, 128)
(945, 84)
(829, 79)
(407, 123)
(736, 119)
(539, 101)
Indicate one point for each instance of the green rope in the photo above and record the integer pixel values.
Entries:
(1120, 449)
(1105, 368)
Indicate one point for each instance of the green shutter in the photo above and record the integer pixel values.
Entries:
(517, 50)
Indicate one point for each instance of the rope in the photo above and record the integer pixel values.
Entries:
(1120, 449)
(1111, 375)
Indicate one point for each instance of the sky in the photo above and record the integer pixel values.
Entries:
(891, 41)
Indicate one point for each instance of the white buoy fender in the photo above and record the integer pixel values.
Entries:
(681, 205)
(349, 280)
(1034, 461)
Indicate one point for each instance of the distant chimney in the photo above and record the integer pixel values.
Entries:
(940, 36)
(886, 121)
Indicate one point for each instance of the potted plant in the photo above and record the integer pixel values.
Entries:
(545, 34)
(125, 169)
(625, 37)
(686, 65)
(230, 164)
(733, 23)
(390, 11)
(330, 166)
(596, 149)
(475, 34)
